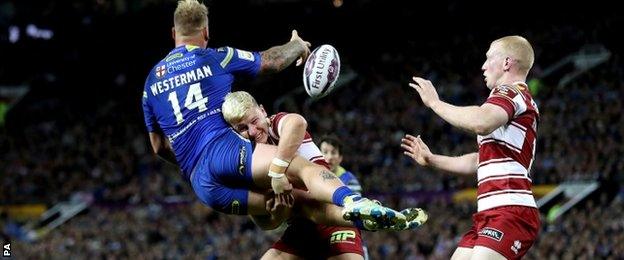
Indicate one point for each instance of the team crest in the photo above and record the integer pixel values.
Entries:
(161, 71)
(235, 207)
(245, 55)
(516, 246)
(504, 91)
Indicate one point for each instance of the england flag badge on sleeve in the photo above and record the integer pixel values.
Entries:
(161, 71)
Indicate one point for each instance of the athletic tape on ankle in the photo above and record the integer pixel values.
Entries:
(273, 174)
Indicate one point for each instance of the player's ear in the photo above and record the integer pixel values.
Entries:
(507, 63)
(262, 109)
(205, 34)
(173, 33)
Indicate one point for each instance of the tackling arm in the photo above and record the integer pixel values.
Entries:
(308, 207)
(292, 129)
(279, 209)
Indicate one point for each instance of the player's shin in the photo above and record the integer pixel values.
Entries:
(322, 183)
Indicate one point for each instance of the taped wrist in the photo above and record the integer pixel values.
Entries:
(278, 168)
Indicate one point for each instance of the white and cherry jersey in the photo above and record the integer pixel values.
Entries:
(506, 154)
(307, 149)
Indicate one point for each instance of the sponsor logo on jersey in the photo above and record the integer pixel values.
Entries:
(180, 60)
(342, 236)
(245, 55)
(491, 233)
(161, 71)
(181, 66)
(241, 160)
(235, 207)
(174, 56)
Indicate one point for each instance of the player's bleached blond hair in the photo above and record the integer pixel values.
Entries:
(519, 49)
(190, 17)
(236, 105)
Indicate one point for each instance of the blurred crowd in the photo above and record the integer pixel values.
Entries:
(66, 137)
(191, 231)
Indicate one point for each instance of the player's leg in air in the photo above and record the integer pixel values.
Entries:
(303, 238)
(323, 186)
(223, 178)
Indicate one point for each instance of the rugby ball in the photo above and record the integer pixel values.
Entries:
(321, 71)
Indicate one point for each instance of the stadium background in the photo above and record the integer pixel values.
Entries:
(77, 135)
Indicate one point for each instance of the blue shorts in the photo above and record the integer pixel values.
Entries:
(222, 177)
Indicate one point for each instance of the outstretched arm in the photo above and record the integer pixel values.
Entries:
(416, 149)
(291, 130)
(278, 58)
(481, 120)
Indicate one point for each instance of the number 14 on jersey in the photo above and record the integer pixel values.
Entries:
(194, 100)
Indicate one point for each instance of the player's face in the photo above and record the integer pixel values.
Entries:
(332, 155)
(493, 67)
(255, 125)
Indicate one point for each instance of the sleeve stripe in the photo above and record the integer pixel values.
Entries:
(498, 101)
(228, 57)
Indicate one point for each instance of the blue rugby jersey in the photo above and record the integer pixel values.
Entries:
(183, 95)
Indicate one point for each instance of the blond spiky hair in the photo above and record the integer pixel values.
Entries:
(236, 105)
(190, 17)
(518, 48)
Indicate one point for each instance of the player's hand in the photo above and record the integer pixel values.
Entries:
(306, 47)
(281, 185)
(425, 89)
(416, 149)
(280, 205)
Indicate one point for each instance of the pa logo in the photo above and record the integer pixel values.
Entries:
(6, 250)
